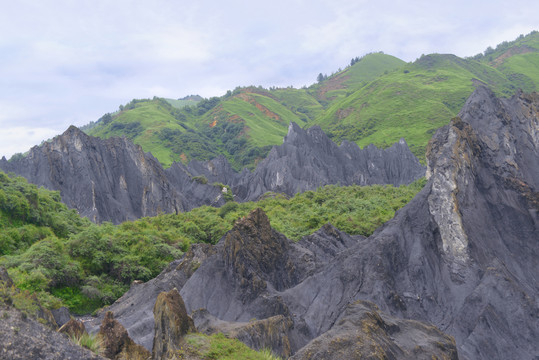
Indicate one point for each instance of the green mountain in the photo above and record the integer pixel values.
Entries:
(376, 99)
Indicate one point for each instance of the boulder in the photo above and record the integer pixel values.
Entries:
(364, 332)
(271, 333)
(171, 324)
(117, 343)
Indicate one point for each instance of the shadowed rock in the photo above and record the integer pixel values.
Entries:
(107, 180)
(114, 180)
(308, 159)
(61, 315)
(24, 338)
(117, 343)
(363, 332)
(171, 324)
(271, 333)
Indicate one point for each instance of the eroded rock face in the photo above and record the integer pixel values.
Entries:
(135, 308)
(308, 159)
(105, 180)
(271, 333)
(25, 338)
(117, 343)
(171, 324)
(462, 255)
(364, 332)
(114, 180)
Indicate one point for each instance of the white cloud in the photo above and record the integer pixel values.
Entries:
(20, 139)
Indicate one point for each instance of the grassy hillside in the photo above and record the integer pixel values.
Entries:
(363, 70)
(376, 99)
(410, 102)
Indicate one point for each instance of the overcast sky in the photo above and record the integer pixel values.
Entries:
(70, 62)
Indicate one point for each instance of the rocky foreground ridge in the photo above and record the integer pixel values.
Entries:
(461, 257)
(114, 180)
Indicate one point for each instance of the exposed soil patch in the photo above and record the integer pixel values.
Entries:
(251, 100)
(334, 83)
(510, 52)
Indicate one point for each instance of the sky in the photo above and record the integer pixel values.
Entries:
(69, 62)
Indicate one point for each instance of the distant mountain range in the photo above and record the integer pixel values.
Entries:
(114, 180)
(377, 99)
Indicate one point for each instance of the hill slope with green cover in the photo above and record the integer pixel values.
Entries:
(376, 99)
(67, 260)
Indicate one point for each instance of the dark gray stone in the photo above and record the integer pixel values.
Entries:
(364, 332)
(25, 338)
(114, 180)
(308, 159)
(61, 316)
(107, 180)
(462, 255)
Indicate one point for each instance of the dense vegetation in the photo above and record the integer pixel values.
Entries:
(376, 99)
(66, 260)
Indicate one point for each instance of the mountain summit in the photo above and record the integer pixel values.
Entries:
(114, 180)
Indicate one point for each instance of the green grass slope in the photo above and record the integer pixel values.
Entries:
(364, 70)
(142, 121)
(377, 99)
(411, 102)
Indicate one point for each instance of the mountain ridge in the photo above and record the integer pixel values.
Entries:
(377, 99)
(114, 180)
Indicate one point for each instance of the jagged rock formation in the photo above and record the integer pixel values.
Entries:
(171, 324)
(271, 333)
(25, 338)
(107, 180)
(308, 159)
(135, 308)
(117, 343)
(363, 332)
(61, 316)
(462, 255)
(114, 180)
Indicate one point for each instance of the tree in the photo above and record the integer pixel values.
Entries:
(321, 77)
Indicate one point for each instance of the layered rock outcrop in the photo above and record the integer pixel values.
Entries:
(308, 159)
(363, 332)
(107, 180)
(462, 256)
(114, 180)
(116, 341)
(171, 324)
(271, 333)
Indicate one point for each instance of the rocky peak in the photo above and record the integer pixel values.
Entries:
(257, 254)
(171, 324)
(364, 332)
(109, 180)
(116, 341)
